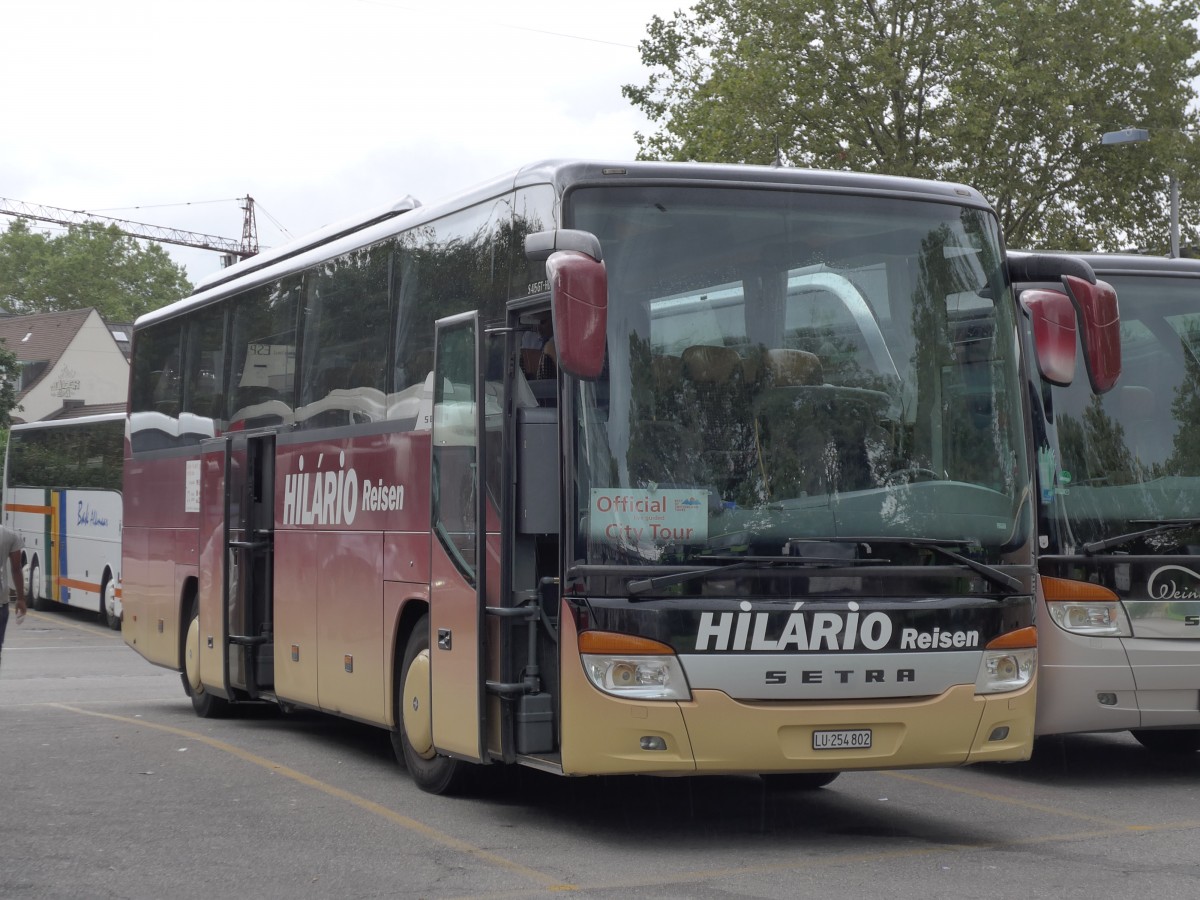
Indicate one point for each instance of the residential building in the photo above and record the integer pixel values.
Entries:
(68, 360)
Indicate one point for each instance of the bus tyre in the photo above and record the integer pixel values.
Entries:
(205, 704)
(798, 781)
(36, 600)
(108, 603)
(1171, 740)
(412, 740)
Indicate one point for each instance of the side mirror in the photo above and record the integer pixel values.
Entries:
(1053, 318)
(1100, 319)
(1095, 303)
(578, 298)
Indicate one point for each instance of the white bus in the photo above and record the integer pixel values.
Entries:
(1119, 520)
(62, 493)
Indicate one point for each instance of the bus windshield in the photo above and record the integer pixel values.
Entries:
(1128, 459)
(788, 367)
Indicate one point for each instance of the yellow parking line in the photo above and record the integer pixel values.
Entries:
(697, 876)
(59, 620)
(549, 884)
(1001, 798)
(546, 881)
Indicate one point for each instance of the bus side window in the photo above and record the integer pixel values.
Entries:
(204, 375)
(343, 377)
(155, 391)
(263, 347)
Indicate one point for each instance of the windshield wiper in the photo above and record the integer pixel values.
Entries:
(942, 546)
(1162, 526)
(729, 564)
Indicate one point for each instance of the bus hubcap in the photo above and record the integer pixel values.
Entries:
(418, 723)
(191, 661)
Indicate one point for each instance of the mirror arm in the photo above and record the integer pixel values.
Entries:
(541, 244)
(1047, 267)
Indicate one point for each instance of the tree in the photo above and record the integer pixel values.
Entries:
(90, 265)
(10, 377)
(1010, 97)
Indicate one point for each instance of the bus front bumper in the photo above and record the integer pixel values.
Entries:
(714, 734)
(1116, 684)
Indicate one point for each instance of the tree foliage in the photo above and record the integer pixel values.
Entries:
(1010, 97)
(91, 265)
(10, 377)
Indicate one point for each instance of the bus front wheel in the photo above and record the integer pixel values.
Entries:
(205, 704)
(413, 738)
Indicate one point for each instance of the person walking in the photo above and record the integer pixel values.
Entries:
(11, 545)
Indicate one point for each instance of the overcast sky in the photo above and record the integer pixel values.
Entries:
(166, 112)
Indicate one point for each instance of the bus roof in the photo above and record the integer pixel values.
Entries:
(1136, 263)
(379, 224)
(316, 238)
(44, 424)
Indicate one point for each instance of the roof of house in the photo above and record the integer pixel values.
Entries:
(121, 332)
(42, 335)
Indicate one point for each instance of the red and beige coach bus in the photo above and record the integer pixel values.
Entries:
(1119, 520)
(634, 468)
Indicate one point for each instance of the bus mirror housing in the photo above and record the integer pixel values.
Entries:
(1100, 319)
(578, 297)
(1053, 318)
(1095, 302)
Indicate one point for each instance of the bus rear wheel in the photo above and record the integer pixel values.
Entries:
(412, 740)
(108, 603)
(798, 781)
(205, 704)
(1171, 740)
(36, 600)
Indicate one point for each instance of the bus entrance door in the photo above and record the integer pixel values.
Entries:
(249, 546)
(459, 564)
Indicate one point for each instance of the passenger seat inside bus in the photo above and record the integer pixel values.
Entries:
(788, 447)
(252, 411)
(663, 450)
(719, 416)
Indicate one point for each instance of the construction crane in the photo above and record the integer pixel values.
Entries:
(231, 251)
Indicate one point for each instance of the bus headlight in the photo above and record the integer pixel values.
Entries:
(1081, 607)
(1005, 670)
(632, 667)
(638, 678)
(1093, 619)
(1009, 662)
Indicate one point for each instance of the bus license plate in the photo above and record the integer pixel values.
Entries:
(847, 739)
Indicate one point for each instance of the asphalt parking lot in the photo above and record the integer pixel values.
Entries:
(113, 788)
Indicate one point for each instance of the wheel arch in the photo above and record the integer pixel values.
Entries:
(109, 580)
(189, 592)
(31, 559)
(412, 610)
(37, 599)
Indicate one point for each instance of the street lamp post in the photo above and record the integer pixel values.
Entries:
(1137, 136)
(1174, 186)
